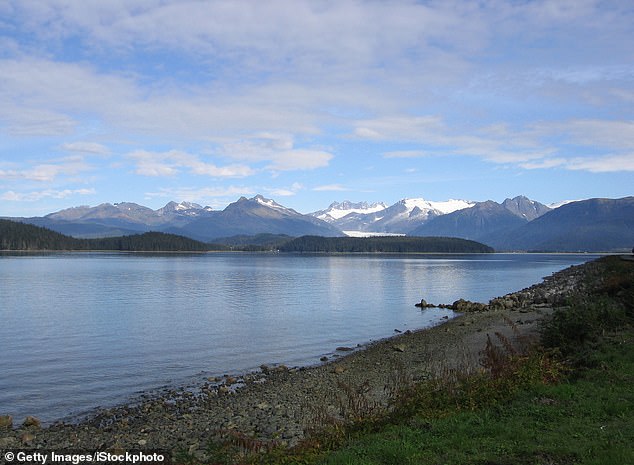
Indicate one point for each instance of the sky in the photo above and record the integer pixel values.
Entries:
(309, 102)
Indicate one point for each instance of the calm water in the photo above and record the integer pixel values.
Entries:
(83, 330)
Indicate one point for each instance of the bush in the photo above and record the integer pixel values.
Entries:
(575, 329)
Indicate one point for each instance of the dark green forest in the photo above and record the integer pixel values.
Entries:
(21, 236)
(386, 244)
(27, 237)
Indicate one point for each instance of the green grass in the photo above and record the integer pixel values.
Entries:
(528, 413)
(569, 401)
(586, 421)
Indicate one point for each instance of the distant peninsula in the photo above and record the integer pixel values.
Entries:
(16, 236)
(384, 244)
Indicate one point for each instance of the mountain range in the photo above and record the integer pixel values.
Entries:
(517, 224)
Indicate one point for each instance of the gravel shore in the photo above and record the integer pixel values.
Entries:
(278, 404)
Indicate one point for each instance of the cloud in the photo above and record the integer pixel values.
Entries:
(47, 172)
(603, 164)
(331, 188)
(532, 146)
(36, 196)
(170, 164)
(403, 128)
(285, 192)
(299, 159)
(216, 197)
(92, 148)
(278, 150)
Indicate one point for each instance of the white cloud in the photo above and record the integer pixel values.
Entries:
(603, 164)
(47, 172)
(86, 148)
(35, 196)
(170, 164)
(299, 159)
(285, 191)
(331, 188)
(215, 197)
(276, 149)
(534, 146)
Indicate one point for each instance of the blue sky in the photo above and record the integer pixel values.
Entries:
(308, 101)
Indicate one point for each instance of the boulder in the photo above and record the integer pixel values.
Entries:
(424, 304)
(466, 306)
(31, 422)
(6, 421)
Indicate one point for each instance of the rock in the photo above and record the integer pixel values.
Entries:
(502, 303)
(223, 390)
(6, 421)
(465, 306)
(230, 380)
(142, 442)
(399, 347)
(31, 422)
(424, 304)
(344, 349)
(324, 359)
(27, 438)
(339, 369)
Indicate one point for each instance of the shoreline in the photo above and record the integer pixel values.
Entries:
(279, 404)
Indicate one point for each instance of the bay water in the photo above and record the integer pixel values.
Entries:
(85, 330)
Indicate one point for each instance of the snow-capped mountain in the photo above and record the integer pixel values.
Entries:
(256, 216)
(484, 221)
(245, 217)
(399, 218)
(525, 208)
(338, 210)
(183, 208)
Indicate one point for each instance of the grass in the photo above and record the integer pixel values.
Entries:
(529, 412)
(589, 420)
(569, 400)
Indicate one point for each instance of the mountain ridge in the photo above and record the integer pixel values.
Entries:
(516, 224)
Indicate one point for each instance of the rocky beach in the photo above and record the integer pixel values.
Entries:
(281, 405)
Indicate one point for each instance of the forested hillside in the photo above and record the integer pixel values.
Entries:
(21, 236)
(385, 244)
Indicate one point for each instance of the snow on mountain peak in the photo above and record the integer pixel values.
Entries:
(268, 203)
(338, 210)
(187, 206)
(443, 207)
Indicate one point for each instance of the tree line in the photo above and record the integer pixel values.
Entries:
(386, 244)
(27, 237)
(22, 236)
